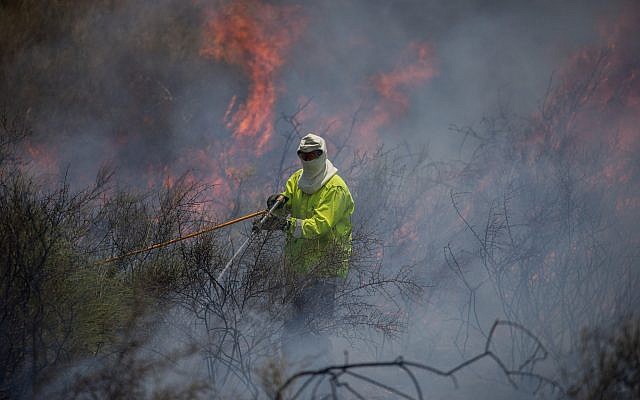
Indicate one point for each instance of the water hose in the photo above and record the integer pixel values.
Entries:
(189, 236)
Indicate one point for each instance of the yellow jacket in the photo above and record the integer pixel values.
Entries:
(319, 234)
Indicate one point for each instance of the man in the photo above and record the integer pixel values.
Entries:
(318, 244)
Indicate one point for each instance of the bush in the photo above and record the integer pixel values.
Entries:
(610, 367)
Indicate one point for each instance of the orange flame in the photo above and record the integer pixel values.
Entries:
(44, 158)
(591, 120)
(255, 37)
(417, 72)
(393, 87)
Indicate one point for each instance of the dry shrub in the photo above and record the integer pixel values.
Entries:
(610, 366)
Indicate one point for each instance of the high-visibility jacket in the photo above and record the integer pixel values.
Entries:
(319, 234)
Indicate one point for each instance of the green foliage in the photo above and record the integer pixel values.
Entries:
(54, 307)
(57, 304)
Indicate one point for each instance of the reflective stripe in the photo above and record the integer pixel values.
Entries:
(297, 233)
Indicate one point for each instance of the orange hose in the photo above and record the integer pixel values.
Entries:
(189, 236)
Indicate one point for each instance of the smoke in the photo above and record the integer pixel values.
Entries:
(133, 84)
(490, 217)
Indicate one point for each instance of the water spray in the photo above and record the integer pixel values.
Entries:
(281, 200)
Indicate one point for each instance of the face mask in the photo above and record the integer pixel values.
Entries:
(315, 166)
(317, 172)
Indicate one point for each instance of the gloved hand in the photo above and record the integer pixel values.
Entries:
(272, 200)
(272, 223)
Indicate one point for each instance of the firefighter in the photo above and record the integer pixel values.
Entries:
(318, 245)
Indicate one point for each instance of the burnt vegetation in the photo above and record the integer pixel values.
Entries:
(73, 327)
(73, 324)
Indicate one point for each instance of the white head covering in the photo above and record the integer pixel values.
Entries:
(317, 172)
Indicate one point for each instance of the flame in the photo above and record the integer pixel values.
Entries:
(44, 157)
(384, 99)
(255, 37)
(393, 88)
(591, 119)
(417, 72)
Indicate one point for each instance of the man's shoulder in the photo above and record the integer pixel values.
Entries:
(336, 181)
(295, 176)
(337, 185)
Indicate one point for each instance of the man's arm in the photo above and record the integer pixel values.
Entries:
(332, 207)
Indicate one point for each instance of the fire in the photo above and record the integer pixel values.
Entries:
(393, 88)
(44, 158)
(384, 98)
(418, 71)
(591, 120)
(255, 37)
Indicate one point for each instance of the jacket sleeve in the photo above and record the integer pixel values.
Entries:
(289, 189)
(332, 207)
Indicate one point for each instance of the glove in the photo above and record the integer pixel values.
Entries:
(272, 223)
(272, 200)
